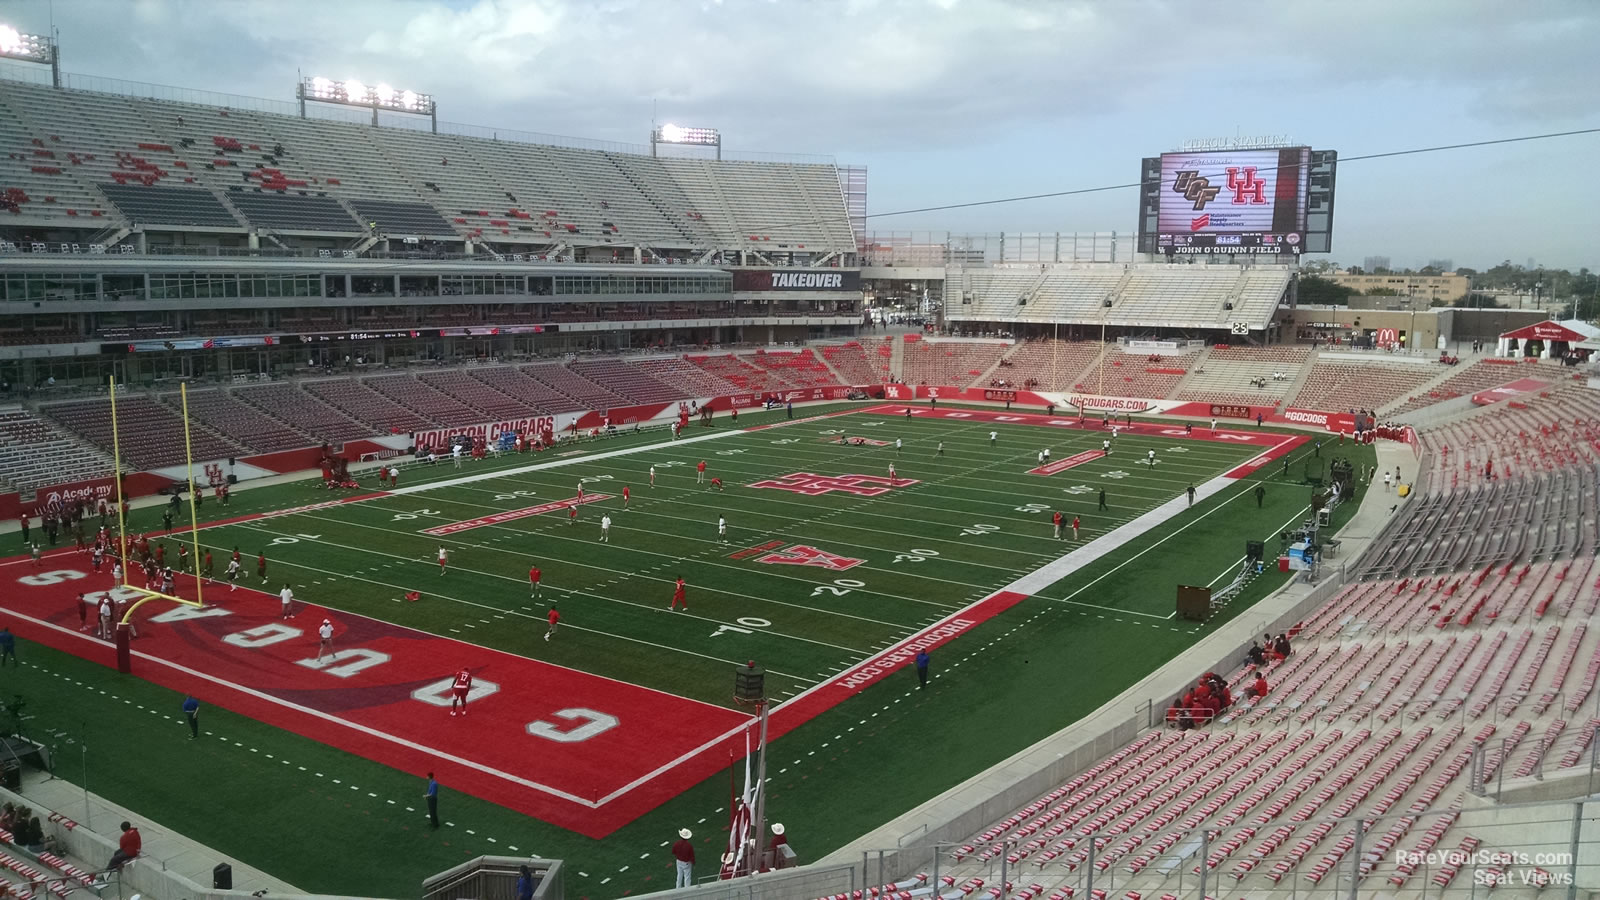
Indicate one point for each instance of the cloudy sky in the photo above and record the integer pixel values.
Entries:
(948, 101)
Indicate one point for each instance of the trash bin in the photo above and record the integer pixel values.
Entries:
(222, 877)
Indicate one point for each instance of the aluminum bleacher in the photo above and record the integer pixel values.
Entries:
(1119, 374)
(465, 389)
(1478, 376)
(744, 376)
(799, 368)
(539, 396)
(1049, 365)
(587, 394)
(425, 400)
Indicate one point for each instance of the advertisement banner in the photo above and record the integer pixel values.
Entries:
(796, 280)
(487, 431)
(1090, 402)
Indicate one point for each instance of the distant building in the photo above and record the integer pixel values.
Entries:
(1374, 263)
(1423, 290)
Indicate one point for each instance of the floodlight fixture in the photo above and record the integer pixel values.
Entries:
(684, 134)
(34, 48)
(354, 92)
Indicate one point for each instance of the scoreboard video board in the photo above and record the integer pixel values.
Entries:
(1240, 202)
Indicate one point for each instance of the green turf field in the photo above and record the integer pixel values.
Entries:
(974, 522)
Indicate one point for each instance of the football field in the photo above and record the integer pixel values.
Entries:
(829, 574)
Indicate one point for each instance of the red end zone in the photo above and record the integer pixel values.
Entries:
(580, 751)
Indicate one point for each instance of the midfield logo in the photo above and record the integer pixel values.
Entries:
(1196, 188)
(813, 485)
(801, 555)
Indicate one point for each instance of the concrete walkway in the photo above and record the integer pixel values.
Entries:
(164, 848)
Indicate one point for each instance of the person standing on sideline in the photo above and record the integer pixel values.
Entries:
(722, 529)
(1191, 495)
(652, 476)
(8, 646)
(261, 566)
(534, 577)
(191, 711)
(105, 618)
(789, 409)
(25, 528)
(444, 558)
(1059, 520)
(605, 528)
(922, 668)
(625, 495)
(1074, 527)
(524, 883)
(325, 638)
(1261, 492)
(700, 472)
(431, 793)
(683, 852)
(287, 597)
(555, 617)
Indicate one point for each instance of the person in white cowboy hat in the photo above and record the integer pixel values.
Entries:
(778, 840)
(683, 852)
(325, 632)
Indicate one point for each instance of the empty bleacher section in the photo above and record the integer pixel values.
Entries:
(1048, 365)
(696, 381)
(1258, 376)
(291, 212)
(626, 380)
(1479, 376)
(583, 392)
(851, 362)
(539, 396)
(429, 402)
(1119, 374)
(467, 390)
(156, 205)
(58, 147)
(365, 405)
(1338, 384)
(744, 376)
(288, 403)
(398, 217)
(1144, 295)
(239, 421)
(797, 368)
(1391, 690)
(34, 453)
(954, 363)
(151, 434)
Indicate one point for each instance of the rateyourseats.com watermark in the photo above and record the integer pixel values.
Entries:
(1503, 868)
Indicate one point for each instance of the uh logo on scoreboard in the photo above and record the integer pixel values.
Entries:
(1247, 189)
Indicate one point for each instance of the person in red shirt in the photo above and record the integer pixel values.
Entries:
(1074, 527)
(534, 576)
(459, 690)
(1260, 686)
(128, 847)
(683, 853)
(679, 596)
(717, 483)
(554, 618)
(700, 472)
(1058, 520)
(572, 514)
(261, 566)
(625, 496)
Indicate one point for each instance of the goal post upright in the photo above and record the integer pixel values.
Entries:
(116, 474)
(194, 514)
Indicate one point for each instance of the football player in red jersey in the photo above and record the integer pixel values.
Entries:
(679, 596)
(459, 690)
(534, 578)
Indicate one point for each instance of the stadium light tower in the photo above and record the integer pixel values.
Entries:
(377, 97)
(682, 134)
(33, 48)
